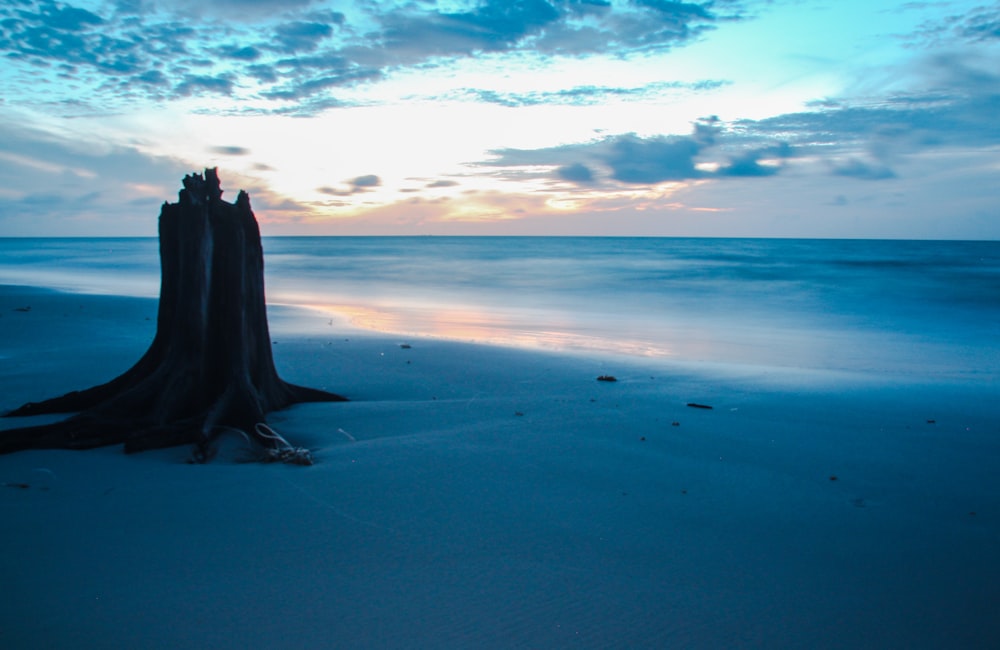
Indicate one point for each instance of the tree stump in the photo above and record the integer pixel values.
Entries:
(209, 368)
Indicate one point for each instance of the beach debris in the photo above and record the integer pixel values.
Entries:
(699, 406)
(281, 452)
(607, 378)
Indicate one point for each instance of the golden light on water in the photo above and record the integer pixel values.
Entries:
(493, 328)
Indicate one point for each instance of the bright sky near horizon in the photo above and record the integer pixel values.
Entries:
(788, 118)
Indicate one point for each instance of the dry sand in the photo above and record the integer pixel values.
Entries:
(483, 497)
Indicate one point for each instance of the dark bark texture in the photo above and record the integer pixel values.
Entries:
(209, 368)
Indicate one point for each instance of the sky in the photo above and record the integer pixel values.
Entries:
(734, 118)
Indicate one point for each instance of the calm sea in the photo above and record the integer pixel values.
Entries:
(913, 308)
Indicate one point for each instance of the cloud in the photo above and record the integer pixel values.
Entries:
(869, 171)
(230, 151)
(231, 10)
(576, 172)
(982, 24)
(165, 53)
(242, 53)
(626, 158)
(978, 25)
(638, 26)
(299, 36)
(44, 31)
(368, 180)
(554, 157)
(337, 72)
(150, 78)
(587, 95)
(757, 162)
(493, 26)
(293, 52)
(57, 185)
(676, 11)
(356, 185)
(200, 84)
(441, 183)
(68, 18)
(950, 104)
(653, 160)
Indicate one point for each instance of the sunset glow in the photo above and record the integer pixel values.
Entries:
(488, 117)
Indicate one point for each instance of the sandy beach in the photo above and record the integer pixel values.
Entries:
(486, 497)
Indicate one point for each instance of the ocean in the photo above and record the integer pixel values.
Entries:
(907, 309)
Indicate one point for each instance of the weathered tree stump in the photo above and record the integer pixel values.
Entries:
(209, 368)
